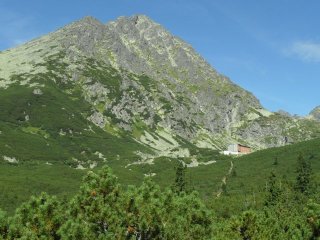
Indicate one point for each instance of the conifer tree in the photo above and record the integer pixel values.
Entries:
(180, 180)
(39, 218)
(272, 191)
(98, 207)
(303, 179)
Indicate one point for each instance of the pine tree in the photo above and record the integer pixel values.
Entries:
(39, 218)
(303, 179)
(273, 191)
(180, 181)
(97, 211)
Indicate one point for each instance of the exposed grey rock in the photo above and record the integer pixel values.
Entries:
(315, 113)
(98, 119)
(96, 92)
(284, 113)
(37, 91)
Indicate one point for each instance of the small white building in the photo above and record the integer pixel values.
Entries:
(236, 149)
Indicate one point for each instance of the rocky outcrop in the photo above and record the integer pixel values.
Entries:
(315, 113)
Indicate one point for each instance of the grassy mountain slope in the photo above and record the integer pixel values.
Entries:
(246, 187)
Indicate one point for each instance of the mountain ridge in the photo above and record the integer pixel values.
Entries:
(142, 82)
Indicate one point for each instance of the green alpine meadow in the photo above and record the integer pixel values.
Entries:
(123, 131)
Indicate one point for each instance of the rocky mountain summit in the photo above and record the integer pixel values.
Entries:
(315, 113)
(140, 82)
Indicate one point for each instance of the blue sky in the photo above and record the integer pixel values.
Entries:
(271, 48)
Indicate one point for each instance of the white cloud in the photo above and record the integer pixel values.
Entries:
(306, 50)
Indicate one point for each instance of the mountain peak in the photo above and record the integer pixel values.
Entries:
(140, 18)
(84, 23)
(139, 22)
(135, 19)
(315, 113)
(89, 20)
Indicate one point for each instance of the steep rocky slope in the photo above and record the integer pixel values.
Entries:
(140, 84)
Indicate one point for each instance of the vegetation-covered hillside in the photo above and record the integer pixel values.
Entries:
(270, 194)
(248, 181)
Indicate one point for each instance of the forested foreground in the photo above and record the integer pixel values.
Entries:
(102, 209)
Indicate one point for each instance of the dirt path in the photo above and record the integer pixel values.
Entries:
(224, 180)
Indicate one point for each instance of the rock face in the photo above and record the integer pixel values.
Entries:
(315, 113)
(142, 81)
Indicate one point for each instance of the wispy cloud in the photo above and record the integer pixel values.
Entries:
(305, 50)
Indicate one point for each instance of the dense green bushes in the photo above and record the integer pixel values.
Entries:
(102, 209)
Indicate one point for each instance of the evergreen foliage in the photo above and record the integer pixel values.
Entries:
(39, 218)
(180, 180)
(104, 209)
(304, 172)
(273, 191)
(313, 214)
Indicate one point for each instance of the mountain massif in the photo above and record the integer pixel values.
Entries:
(129, 90)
